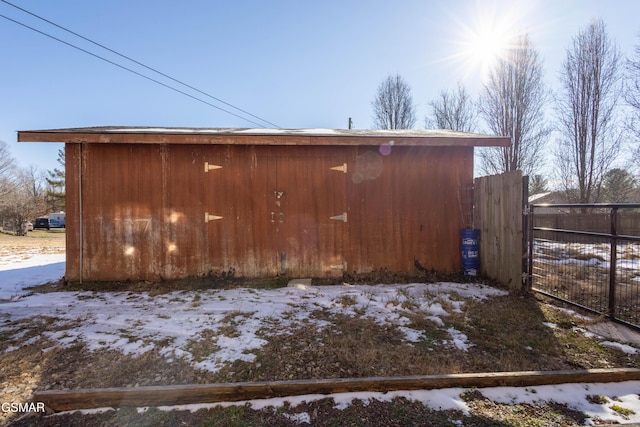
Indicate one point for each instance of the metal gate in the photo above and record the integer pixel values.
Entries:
(587, 255)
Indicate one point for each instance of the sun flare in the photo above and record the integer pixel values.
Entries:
(486, 45)
(485, 34)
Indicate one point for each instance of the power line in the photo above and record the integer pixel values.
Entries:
(128, 69)
(136, 62)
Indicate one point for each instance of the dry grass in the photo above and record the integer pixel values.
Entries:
(507, 334)
(397, 412)
(350, 347)
(579, 273)
(524, 415)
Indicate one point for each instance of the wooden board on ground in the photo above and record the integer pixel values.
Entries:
(66, 400)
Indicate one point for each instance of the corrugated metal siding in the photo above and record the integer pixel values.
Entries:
(410, 211)
(144, 206)
(274, 207)
(238, 193)
(73, 228)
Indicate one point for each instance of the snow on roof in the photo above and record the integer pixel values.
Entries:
(535, 197)
(270, 131)
(206, 135)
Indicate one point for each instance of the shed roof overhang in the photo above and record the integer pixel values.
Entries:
(241, 136)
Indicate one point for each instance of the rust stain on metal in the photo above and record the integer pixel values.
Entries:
(136, 210)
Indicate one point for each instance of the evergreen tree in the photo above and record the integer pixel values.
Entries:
(55, 195)
(537, 184)
(618, 186)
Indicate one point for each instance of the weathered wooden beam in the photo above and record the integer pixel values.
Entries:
(66, 400)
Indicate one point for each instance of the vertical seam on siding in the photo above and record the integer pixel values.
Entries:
(80, 217)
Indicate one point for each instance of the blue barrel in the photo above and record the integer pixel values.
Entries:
(470, 251)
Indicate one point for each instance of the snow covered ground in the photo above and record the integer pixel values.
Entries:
(16, 273)
(590, 254)
(573, 395)
(182, 316)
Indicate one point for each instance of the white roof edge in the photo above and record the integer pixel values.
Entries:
(273, 131)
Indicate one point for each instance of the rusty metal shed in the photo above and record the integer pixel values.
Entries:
(164, 203)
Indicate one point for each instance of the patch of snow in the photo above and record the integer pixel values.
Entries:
(261, 131)
(623, 347)
(434, 309)
(458, 339)
(586, 333)
(412, 335)
(320, 131)
(574, 396)
(92, 411)
(571, 312)
(537, 196)
(299, 417)
(15, 275)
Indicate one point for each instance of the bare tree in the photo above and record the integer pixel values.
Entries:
(589, 142)
(7, 176)
(393, 106)
(632, 97)
(512, 104)
(32, 181)
(453, 110)
(25, 200)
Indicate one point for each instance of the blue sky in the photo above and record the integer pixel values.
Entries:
(297, 64)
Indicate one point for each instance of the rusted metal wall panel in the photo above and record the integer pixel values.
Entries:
(139, 212)
(405, 208)
(72, 177)
(308, 194)
(154, 211)
(183, 232)
(121, 211)
(271, 210)
(236, 196)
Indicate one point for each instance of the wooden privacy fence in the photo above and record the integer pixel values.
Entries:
(498, 208)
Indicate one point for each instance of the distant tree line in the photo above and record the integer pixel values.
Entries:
(27, 193)
(593, 117)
